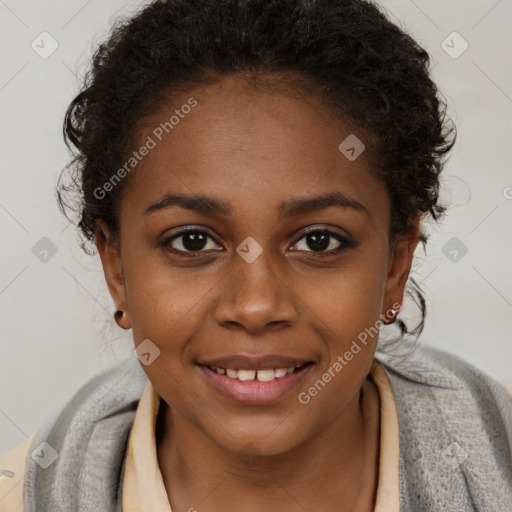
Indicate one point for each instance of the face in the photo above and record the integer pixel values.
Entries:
(267, 276)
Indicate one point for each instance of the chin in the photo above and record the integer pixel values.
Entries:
(253, 444)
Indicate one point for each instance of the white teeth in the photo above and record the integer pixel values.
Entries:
(262, 375)
(266, 375)
(246, 374)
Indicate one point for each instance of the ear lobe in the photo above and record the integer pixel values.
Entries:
(110, 256)
(400, 265)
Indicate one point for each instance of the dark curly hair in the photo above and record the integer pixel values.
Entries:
(347, 53)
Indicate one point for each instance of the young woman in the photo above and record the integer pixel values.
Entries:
(254, 176)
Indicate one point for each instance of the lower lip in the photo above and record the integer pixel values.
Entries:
(254, 392)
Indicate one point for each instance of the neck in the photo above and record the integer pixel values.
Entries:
(334, 469)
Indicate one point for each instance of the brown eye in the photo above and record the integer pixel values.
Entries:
(324, 241)
(189, 240)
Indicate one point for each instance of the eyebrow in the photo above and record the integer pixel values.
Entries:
(289, 208)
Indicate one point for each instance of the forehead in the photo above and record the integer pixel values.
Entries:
(251, 145)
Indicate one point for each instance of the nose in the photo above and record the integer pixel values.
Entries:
(256, 297)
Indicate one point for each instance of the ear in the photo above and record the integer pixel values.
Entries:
(399, 267)
(109, 252)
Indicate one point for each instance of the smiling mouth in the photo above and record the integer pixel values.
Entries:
(255, 381)
(262, 375)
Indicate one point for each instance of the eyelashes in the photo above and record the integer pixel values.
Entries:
(192, 242)
(319, 235)
(195, 236)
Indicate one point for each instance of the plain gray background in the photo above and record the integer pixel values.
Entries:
(56, 319)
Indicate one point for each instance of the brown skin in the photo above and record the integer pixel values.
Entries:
(254, 149)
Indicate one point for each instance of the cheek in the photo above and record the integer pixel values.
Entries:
(349, 299)
(166, 304)
(348, 308)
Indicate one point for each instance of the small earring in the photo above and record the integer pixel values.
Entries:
(392, 319)
(119, 316)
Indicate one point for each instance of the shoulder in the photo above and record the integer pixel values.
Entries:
(105, 395)
(12, 472)
(434, 366)
(446, 391)
(110, 388)
(455, 425)
(460, 395)
(449, 377)
(101, 396)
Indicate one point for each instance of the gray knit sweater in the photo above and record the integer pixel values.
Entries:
(455, 425)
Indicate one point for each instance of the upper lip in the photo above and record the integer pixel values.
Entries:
(261, 362)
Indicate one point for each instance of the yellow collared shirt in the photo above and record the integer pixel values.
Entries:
(144, 489)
